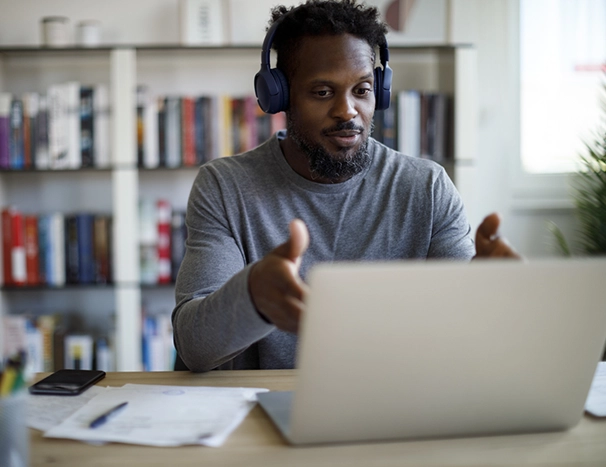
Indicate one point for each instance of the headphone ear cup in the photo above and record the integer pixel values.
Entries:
(283, 95)
(382, 87)
(271, 89)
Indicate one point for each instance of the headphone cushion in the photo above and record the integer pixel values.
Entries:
(382, 87)
(271, 89)
(283, 95)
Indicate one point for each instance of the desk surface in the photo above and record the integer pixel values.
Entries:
(257, 443)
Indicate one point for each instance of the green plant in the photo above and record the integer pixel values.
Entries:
(589, 195)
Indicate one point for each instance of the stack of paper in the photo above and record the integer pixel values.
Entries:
(155, 415)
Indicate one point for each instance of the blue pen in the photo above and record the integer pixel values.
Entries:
(103, 418)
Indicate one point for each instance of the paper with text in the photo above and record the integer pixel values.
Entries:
(162, 415)
(45, 412)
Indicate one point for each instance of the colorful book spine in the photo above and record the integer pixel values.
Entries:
(101, 123)
(164, 252)
(87, 129)
(5, 111)
(41, 159)
(7, 235)
(86, 263)
(32, 253)
(17, 157)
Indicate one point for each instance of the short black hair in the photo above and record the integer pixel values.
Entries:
(322, 18)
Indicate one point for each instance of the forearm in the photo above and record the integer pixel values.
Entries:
(212, 330)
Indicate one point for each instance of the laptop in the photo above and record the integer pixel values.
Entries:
(419, 350)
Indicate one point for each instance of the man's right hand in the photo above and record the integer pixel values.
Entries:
(276, 289)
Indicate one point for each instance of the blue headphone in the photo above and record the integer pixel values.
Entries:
(271, 86)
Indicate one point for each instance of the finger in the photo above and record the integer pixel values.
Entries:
(489, 227)
(296, 244)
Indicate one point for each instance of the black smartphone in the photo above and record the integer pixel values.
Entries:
(67, 382)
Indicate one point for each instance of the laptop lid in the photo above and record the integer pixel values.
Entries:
(405, 350)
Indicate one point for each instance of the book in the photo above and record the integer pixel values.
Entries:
(78, 352)
(7, 244)
(46, 325)
(201, 125)
(58, 130)
(151, 139)
(101, 249)
(18, 263)
(104, 355)
(161, 132)
(86, 264)
(148, 241)
(164, 230)
(56, 250)
(44, 249)
(140, 123)
(17, 157)
(101, 126)
(74, 152)
(87, 127)
(30, 127)
(5, 111)
(35, 346)
(173, 132)
(41, 159)
(32, 256)
(72, 260)
(188, 131)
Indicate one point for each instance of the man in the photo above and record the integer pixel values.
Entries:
(241, 287)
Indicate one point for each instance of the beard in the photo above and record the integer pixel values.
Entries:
(338, 167)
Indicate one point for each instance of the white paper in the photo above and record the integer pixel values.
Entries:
(162, 415)
(45, 412)
(596, 401)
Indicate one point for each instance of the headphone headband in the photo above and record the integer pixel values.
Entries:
(271, 86)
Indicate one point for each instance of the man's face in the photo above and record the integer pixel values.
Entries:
(332, 105)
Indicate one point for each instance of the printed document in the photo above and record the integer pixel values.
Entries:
(161, 415)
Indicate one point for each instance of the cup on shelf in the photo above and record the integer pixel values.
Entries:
(14, 434)
(55, 31)
(88, 33)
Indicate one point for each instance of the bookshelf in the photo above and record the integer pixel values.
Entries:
(116, 190)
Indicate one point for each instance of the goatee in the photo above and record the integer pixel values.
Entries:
(323, 164)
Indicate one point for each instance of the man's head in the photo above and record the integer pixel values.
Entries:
(326, 51)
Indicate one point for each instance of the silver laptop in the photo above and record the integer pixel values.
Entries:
(412, 350)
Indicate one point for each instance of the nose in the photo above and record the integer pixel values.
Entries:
(344, 108)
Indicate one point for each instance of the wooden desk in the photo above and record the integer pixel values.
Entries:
(257, 443)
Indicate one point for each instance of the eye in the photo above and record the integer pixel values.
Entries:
(322, 92)
(363, 91)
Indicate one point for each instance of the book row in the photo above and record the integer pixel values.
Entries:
(65, 128)
(162, 236)
(176, 131)
(57, 249)
(418, 124)
(50, 343)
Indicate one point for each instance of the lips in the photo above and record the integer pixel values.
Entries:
(344, 138)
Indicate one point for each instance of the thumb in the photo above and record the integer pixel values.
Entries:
(296, 244)
(489, 228)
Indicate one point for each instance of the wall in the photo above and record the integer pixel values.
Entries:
(490, 24)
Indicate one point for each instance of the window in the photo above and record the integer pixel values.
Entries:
(562, 74)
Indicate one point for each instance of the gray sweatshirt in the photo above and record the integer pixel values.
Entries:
(239, 209)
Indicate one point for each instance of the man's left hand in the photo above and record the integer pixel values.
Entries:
(489, 244)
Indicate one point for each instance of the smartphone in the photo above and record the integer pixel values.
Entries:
(67, 382)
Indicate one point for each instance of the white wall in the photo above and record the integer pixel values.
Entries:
(488, 23)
